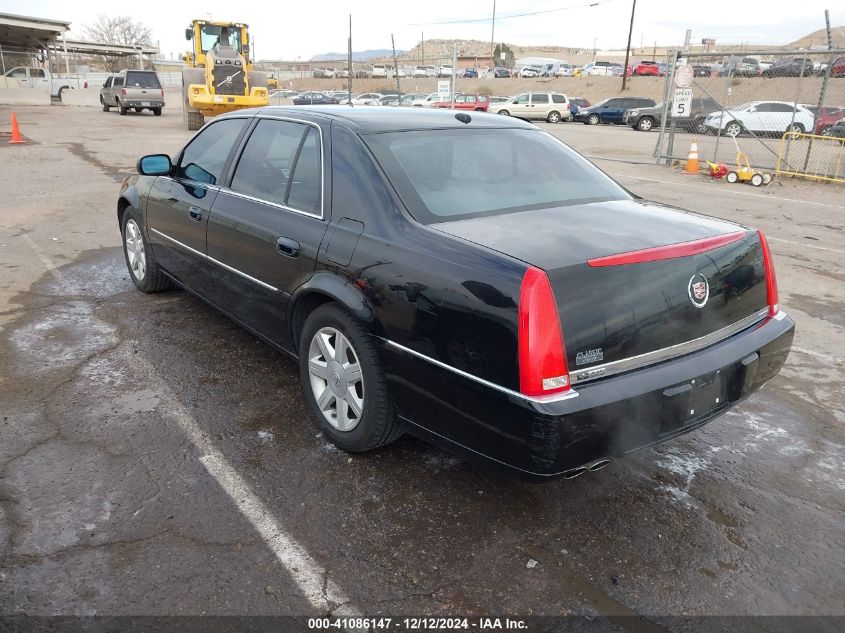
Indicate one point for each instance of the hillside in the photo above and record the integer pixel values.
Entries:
(818, 39)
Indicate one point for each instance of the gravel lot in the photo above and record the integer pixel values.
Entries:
(157, 459)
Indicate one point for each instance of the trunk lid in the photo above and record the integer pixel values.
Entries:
(624, 315)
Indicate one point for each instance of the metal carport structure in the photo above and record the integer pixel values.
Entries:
(25, 34)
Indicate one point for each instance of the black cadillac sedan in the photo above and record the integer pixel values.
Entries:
(465, 278)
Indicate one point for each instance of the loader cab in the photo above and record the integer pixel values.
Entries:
(208, 35)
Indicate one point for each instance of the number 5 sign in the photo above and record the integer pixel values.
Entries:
(682, 103)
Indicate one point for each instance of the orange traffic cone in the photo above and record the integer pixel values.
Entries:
(16, 132)
(692, 159)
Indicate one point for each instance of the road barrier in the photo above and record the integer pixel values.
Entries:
(811, 156)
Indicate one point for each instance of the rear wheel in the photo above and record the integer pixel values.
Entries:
(594, 119)
(553, 117)
(120, 108)
(645, 124)
(157, 111)
(344, 382)
(504, 113)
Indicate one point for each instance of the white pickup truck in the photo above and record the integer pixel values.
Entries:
(27, 77)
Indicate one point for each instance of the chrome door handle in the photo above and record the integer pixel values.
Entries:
(287, 246)
(195, 213)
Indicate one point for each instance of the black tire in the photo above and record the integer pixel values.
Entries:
(122, 109)
(379, 424)
(504, 113)
(796, 127)
(734, 128)
(553, 117)
(156, 111)
(106, 108)
(154, 280)
(138, 110)
(645, 124)
(593, 119)
(193, 119)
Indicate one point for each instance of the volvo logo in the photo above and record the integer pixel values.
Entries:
(698, 290)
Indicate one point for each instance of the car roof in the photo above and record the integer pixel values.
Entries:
(367, 120)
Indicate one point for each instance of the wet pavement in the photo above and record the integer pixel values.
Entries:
(157, 459)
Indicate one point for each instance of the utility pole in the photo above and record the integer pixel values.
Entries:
(454, 71)
(422, 48)
(628, 50)
(493, 38)
(395, 69)
(349, 61)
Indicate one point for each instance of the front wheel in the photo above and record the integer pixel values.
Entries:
(645, 124)
(732, 177)
(553, 117)
(733, 129)
(796, 128)
(594, 119)
(140, 260)
(344, 382)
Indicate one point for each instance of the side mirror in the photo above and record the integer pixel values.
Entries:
(189, 33)
(154, 165)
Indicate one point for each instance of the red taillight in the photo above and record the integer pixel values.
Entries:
(771, 278)
(162, 93)
(542, 357)
(123, 92)
(671, 251)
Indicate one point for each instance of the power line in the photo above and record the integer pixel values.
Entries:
(585, 5)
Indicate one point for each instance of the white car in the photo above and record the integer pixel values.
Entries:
(368, 98)
(529, 71)
(598, 69)
(420, 71)
(433, 98)
(444, 71)
(379, 70)
(761, 117)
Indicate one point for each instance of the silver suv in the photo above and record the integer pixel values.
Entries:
(133, 89)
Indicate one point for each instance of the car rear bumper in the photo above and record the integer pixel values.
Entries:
(143, 103)
(607, 418)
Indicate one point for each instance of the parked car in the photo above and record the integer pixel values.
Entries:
(477, 103)
(420, 71)
(32, 77)
(378, 71)
(837, 130)
(501, 73)
(789, 68)
(529, 71)
(646, 119)
(761, 117)
(597, 69)
(470, 73)
(137, 90)
(367, 98)
(741, 67)
(433, 98)
(616, 70)
(643, 69)
(838, 68)
(522, 308)
(576, 103)
(314, 98)
(825, 119)
(391, 99)
(701, 70)
(611, 110)
(544, 106)
(431, 71)
(444, 71)
(498, 99)
(564, 70)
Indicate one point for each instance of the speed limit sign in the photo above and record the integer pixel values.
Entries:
(682, 103)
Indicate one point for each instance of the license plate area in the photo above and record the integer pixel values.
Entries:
(145, 103)
(689, 401)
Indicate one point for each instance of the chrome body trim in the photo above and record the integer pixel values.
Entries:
(245, 196)
(215, 261)
(650, 358)
(515, 394)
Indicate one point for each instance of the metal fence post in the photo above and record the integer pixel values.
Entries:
(658, 150)
(794, 104)
(725, 96)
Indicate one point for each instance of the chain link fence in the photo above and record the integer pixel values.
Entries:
(778, 110)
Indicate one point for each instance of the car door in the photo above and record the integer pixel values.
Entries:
(105, 91)
(178, 205)
(266, 226)
(39, 78)
(613, 109)
(520, 107)
(539, 105)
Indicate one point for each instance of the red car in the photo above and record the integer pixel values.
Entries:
(838, 68)
(479, 103)
(643, 69)
(825, 119)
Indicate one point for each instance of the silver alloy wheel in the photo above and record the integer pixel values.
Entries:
(135, 253)
(336, 378)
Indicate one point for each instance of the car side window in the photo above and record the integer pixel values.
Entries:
(304, 188)
(205, 158)
(108, 82)
(539, 98)
(118, 81)
(521, 99)
(265, 165)
(38, 73)
(558, 99)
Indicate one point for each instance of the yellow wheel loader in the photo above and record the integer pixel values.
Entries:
(219, 77)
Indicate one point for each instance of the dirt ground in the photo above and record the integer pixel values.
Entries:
(156, 459)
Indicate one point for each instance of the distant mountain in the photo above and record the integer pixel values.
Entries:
(359, 56)
(818, 39)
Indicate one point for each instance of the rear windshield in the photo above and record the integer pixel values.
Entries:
(142, 80)
(444, 175)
